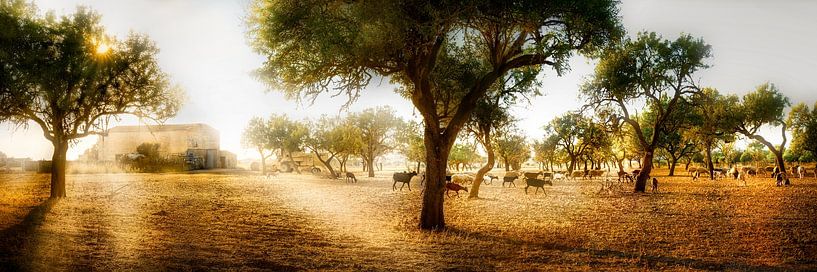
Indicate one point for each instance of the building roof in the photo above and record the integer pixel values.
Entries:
(158, 128)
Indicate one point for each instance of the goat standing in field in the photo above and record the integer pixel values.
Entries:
(654, 185)
(454, 187)
(489, 179)
(350, 177)
(404, 178)
(538, 183)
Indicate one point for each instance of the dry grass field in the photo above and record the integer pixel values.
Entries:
(185, 222)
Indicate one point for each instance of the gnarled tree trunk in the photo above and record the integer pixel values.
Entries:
(646, 168)
(485, 168)
(58, 163)
(437, 149)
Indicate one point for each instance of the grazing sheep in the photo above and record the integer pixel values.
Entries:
(538, 183)
(462, 179)
(454, 187)
(404, 178)
(594, 173)
(421, 178)
(733, 172)
(779, 177)
(350, 177)
(559, 175)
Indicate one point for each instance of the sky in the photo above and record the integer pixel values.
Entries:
(204, 49)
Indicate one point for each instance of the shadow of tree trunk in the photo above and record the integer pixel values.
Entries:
(15, 239)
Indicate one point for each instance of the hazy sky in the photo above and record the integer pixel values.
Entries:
(204, 49)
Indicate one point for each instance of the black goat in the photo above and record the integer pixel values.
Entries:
(404, 178)
(538, 183)
(350, 177)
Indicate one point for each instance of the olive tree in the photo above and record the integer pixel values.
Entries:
(377, 127)
(330, 139)
(803, 124)
(762, 107)
(71, 78)
(647, 71)
(257, 136)
(315, 47)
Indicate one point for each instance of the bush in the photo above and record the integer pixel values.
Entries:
(148, 159)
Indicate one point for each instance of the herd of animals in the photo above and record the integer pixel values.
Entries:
(456, 182)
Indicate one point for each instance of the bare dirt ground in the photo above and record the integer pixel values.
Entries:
(183, 222)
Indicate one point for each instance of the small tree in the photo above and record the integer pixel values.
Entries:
(652, 70)
(257, 135)
(762, 107)
(333, 138)
(377, 129)
(70, 78)
(575, 134)
(410, 143)
(512, 148)
(289, 136)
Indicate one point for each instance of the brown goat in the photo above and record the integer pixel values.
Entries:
(454, 187)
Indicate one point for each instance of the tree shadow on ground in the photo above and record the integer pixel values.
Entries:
(644, 260)
(14, 240)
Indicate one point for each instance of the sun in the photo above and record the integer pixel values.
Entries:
(102, 48)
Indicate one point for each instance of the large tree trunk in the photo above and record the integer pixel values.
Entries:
(485, 168)
(58, 161)
(778, 153)
(328, 164)
(646, 167)
(370, 164)
(437, 149)
(672, 164)
(294, 165)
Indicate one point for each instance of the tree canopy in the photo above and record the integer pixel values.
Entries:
(647, 71)
(803, 123)
(71, 78)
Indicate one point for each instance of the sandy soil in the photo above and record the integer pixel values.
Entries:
(156, 222)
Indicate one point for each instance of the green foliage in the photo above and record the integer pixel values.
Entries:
(650, 69)
(410, 142)
(764, 106)
(257, 135)
(512, 148)
(803, 124)
(378, 127)
(333, 138)
(578, 136)
(152, 160)
(547, 151)
(463, 154)
(711, 118)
